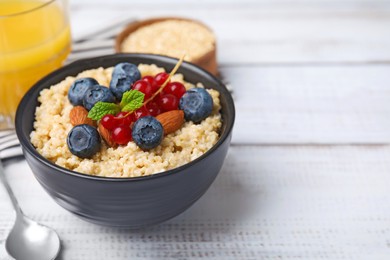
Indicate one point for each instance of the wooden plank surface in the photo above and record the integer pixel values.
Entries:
(311, 104)
(267, 203)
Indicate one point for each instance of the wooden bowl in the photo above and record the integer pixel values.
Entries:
(207, 61)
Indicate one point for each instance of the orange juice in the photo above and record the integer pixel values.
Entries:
(34, 40)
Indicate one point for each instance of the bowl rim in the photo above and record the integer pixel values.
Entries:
(29, 148)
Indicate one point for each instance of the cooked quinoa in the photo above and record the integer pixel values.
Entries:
(171, 38)
(52, 125)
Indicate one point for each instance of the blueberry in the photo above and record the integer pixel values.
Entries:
(197, 104)
(95, 94)
(77, 90)
(147, 132)
(123, 76)
(84, 141)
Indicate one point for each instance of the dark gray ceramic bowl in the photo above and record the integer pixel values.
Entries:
(126, 202)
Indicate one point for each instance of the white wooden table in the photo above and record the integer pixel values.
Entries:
(308, 172)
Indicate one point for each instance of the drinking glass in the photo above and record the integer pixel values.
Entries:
(34, 40)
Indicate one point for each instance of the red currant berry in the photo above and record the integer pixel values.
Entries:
(153, 108)
(109, 122)
(160, 78)
(141, 112)
(124, 119)
(121, 134)
(157, 98)
(155, 87)
(144, 87)
(168, 102)
(175, 88)
(121, 114)
(152, 82)
(149, 79)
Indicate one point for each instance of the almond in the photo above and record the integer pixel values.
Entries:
(171, 120)
(106, 135)
(79, 115)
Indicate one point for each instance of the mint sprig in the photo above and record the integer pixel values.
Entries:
(101, 109)
(132, 100)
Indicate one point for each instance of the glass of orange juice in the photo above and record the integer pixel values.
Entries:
(34, 40)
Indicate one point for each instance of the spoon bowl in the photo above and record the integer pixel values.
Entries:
(31, 240)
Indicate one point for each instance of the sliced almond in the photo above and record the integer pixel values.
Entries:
(106, 135)
(79, 115)
(171, 120)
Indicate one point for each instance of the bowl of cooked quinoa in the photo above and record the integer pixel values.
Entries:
(168, 157)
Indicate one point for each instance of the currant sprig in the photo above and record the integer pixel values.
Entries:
(174, 70)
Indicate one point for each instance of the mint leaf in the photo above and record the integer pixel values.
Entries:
(130, 107)
(132, 100)
(101, 109)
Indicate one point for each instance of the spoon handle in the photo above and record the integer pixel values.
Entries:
(9, 190)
